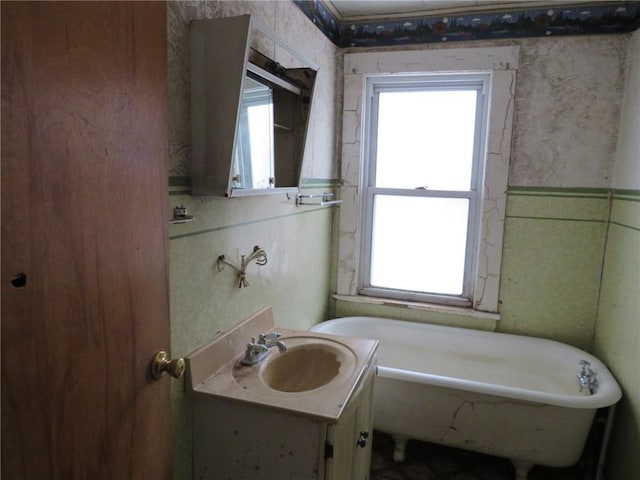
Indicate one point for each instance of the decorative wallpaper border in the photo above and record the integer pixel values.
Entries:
(555, 20)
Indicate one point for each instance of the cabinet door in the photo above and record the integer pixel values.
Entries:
(341, 446)
(350, 438)
(239, 441)
(364, 431)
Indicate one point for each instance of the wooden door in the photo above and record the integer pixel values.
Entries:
(84, 240)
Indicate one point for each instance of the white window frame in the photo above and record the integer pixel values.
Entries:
(501, 64)
(374, 85)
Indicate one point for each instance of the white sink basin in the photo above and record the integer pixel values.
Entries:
(302, 368)
(309, 363)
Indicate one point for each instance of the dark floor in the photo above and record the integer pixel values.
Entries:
(426, 461)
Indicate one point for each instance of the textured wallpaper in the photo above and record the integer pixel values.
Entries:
(568, 99)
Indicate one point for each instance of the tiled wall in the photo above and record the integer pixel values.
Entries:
(205, 301)
(618, 331)
(552, 259)
(617, 340)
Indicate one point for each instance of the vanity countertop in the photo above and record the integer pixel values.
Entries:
(215, 369)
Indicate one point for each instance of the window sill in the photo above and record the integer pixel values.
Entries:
(461, 311)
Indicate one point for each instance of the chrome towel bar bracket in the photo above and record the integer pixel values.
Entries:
(324, 199)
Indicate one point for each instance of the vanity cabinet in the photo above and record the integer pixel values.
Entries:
(251, 97)
(239, 440)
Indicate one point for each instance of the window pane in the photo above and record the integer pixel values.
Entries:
(425, 139)
(419, 243)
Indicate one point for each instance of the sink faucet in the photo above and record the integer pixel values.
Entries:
(587, 378)
(257, 351)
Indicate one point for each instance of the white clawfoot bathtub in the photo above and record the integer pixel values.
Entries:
(506, 395)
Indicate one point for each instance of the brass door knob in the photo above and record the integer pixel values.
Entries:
(162, 364)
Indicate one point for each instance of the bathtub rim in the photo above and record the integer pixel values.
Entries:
(608, 393)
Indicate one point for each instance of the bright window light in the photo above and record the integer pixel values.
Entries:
(425, 139)
(428, 255)
(260, 125)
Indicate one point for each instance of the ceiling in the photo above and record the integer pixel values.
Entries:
(348, 10)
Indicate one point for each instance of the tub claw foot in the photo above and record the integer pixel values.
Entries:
(400, 448)
(522, 468)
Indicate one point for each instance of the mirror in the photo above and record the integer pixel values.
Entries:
(249, 112)
(272, 121)
(254, 150)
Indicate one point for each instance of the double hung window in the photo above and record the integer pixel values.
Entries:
(425, 150)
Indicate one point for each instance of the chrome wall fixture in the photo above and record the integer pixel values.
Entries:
(181, 215)
(258, 254)
(316, 199)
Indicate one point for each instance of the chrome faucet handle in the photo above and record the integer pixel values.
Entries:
(585, 368)
(253, 347)
(263, 338)
(587, 378)
(256, 351)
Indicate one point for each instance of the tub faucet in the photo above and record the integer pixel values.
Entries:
(257, 351)
(587, 378)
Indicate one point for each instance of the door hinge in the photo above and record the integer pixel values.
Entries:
(328, 451)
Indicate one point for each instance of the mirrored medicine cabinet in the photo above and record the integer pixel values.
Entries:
(249, 110)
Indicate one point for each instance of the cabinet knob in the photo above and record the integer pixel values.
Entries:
(362, 439)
